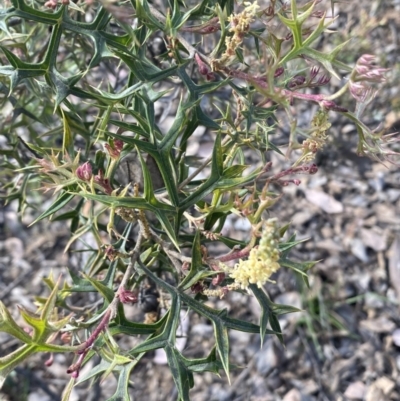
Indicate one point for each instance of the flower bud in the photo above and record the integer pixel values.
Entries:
(118, 144)
(314, 72)
(203, 68)
(196, 288)
(51, 4)
(104, 182)
(128, 297)
(313, 169)
(218, 279)
(297, 81)
(364, 75)
(84, 172)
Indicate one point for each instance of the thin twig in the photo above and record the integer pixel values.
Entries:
(112, 309)
(134, 257)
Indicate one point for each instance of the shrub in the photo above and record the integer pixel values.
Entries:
(85, 82)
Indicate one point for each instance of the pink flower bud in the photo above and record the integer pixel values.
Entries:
(365, 72)
(128, 297)
(366, 59)
(314, 72)
(51, 4)
(297, 81)
(196, 288)
(104, 182)
(84, 172)
(218, 279)
(323, 80)
(278, 72)
(203, 68)
(313, 169)
(118, 144)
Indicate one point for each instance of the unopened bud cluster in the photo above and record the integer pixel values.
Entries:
(53, 3)
(203, 68)
(320, 124)
(240, 25)
(115, 148)
(84, 172)
(262, 262)
(128, 214)
(364, 75)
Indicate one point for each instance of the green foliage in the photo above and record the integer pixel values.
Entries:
(72, 130)
(43, 327)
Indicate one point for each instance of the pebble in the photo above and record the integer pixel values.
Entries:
(355, 391)
(293, 395)
(267, 358)
(396, 337)
(242, 225)
(39, 396)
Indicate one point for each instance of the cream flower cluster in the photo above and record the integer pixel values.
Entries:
(262, 261)
(240, 25)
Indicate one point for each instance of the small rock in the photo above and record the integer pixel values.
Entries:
(392, 195)
(160, 357)
(358, 250)
(394, 265)
(385, 384)
(373, 301)
(310, 387)
(292, 395)
(199, 131)
(330, 245)
(302, 217)
(396, 337)
(206, 149)
(355, 391)
(380, 390)
(378, 325)
(192, 148)
(14, 248)
(291, 298)
(38, 396)
(324, 201)
(242, 225)
(267, 358)
(374, 239)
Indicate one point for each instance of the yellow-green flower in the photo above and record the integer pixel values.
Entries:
(262, 261)
(240, 25)
(320, 124)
